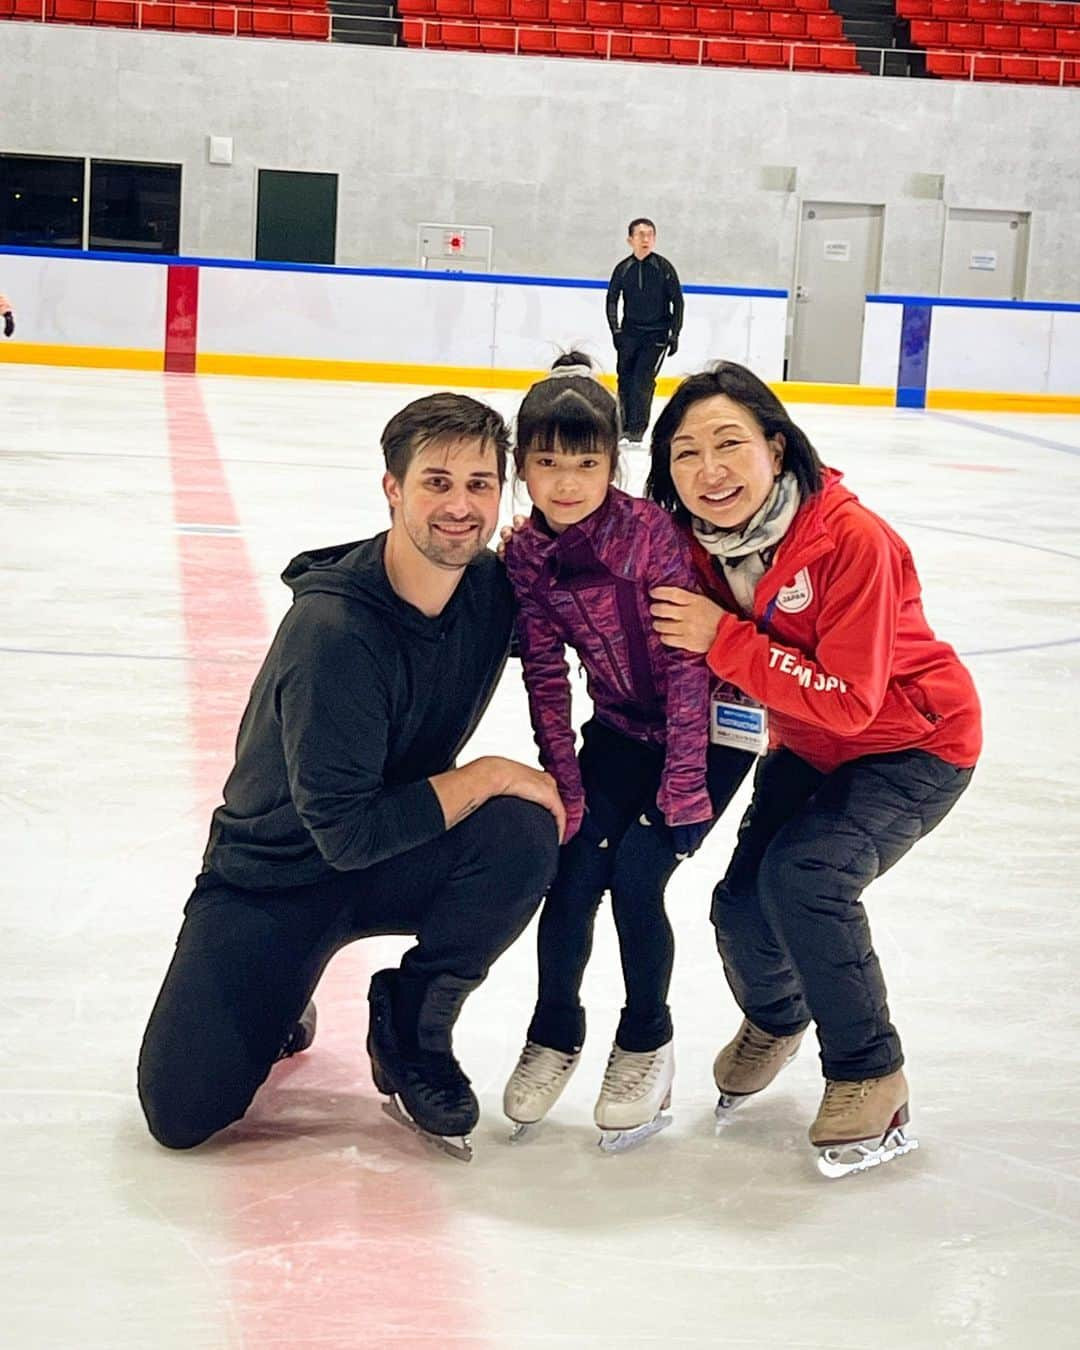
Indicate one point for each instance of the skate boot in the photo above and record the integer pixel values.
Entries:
(748, 1064)
(636, 1092)
(413, 1064)
(860, 1125)
(536, 1085)
(300, 1034)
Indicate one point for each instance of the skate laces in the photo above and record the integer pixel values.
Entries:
(540, 1067)
(630, 1073)
(755, 1047)
(842, 1097)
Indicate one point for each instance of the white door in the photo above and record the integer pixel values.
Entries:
(839, 265)
(985, 254)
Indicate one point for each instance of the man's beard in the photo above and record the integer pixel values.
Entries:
(444, 551)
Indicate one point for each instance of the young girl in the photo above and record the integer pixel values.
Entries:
(647, 786)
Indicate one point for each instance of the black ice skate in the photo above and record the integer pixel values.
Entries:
(300, 1035)
(425, 1086)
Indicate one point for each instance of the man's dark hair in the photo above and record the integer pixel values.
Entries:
(574, 413)
(441, 418)
(742, 386)
(640, 220)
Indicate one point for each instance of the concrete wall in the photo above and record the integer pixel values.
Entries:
(555, 154)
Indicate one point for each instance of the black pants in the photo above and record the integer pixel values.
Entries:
(790, 925)
(640, 357)
(246, 962)
(615, 851)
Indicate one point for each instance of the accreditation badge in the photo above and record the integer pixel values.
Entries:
(737, 721)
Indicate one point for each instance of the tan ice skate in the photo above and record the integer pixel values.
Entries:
(860, 1125)
(749, 1063)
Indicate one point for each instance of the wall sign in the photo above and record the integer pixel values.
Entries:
(838, 250)
(983, 260)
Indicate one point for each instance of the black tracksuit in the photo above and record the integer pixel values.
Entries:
(330, 830)
(652, 316)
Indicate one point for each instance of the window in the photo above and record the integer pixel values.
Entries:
(41, 201)
(134, 208)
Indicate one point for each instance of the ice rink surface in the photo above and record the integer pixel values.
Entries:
(146, 522)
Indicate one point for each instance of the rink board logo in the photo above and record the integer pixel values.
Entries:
(795, 598)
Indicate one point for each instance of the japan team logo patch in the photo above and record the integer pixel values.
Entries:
(795, 598)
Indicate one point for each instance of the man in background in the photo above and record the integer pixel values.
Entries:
(652, 315)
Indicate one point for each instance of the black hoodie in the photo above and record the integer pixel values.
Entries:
(359, 701)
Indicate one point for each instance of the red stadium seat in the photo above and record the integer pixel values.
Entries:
(839, 58)
(1057, 15)
(417, 33)
(773, 54)
(314, 27)
(74, 11)
(466, 35)
(711, 19)
(524, 10)
(1036, 39)
(1019, 11)
(497, 37)
(914, 9)
(681, 18)
(1051, 71)
(750, 21)
(566, 11)
(1000, 37)
(927, 32)
(806, 56)
(636, 15)
(536, 40)
(986, 67)
(1068, 39)
(812, 6)
(650, 48)
(455, 9)
(489, 9)
(984, 11)
(824, 26)
(416, 6)
(964, 34)
(788, 25)
(603, 13)
(122, 13)
(688, 49)
(200, 18)
(954, 65)
(1019, 68)
(949, 9)
(575, 41)
(719, 52)
(613, 45)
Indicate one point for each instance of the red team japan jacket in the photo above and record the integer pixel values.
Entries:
(588, 588)
(839, 649)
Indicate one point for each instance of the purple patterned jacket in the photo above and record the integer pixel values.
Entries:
(588, 588)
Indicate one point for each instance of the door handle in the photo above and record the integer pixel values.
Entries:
(801, 294)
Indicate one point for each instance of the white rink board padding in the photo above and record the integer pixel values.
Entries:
(342, 316)
(80, 301)
(984, 348)
(881, 344)
(534, 323)
(1063, 371)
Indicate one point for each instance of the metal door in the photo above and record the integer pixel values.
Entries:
(297, 216)
(985, 254)
(839, 263)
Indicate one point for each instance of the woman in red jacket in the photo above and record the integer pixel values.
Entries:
(813, 619)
